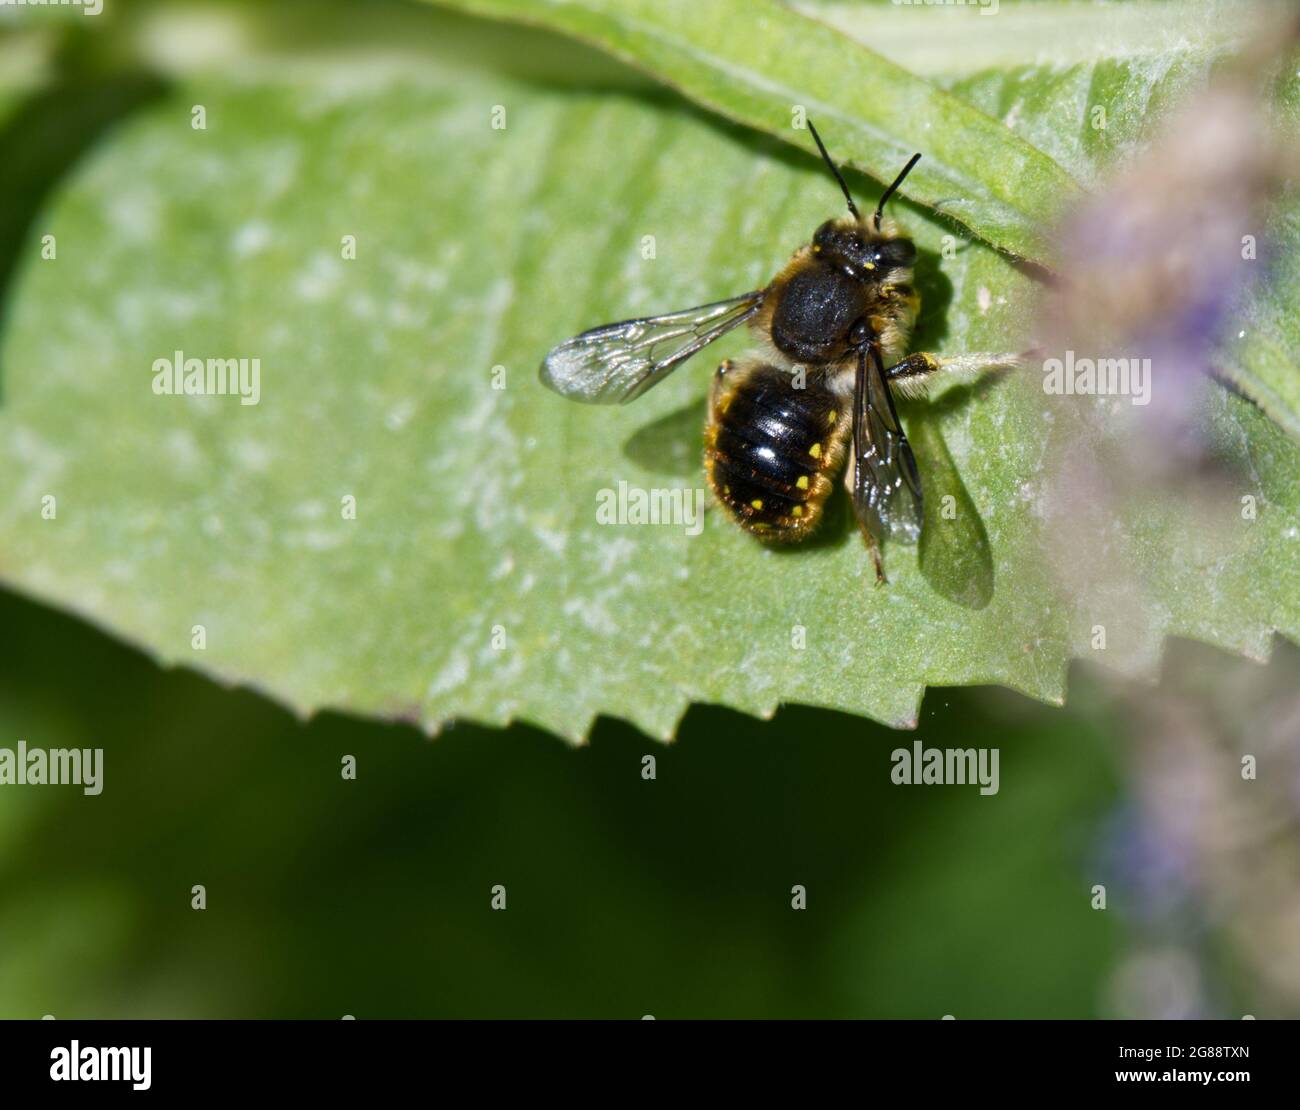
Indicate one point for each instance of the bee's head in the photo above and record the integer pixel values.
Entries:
(867, 250)
(861, 252)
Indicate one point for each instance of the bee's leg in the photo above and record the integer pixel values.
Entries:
(872, 545)
(719, 383)
(874, 548)
(914, 375)
(867, 537)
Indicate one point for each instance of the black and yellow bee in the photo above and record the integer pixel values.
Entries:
(834, 325)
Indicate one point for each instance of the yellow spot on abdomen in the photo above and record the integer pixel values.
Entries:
(802, 483)
(815, 450)
(757, 503)
(797, 511)
(833, 416)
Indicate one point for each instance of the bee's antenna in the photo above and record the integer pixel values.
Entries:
(834, 170)
(880, 208)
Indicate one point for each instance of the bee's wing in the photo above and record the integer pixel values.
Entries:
(886, 483)
(618, 362)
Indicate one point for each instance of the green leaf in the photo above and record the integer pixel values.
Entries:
(1263, 357)
(755, 61)
(475, 581)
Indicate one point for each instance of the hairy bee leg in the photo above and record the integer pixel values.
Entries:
(715, 383)
(914, 375)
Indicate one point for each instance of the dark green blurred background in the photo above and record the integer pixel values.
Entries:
(669, 897)
(625, 896)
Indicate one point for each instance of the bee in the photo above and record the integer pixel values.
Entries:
(833, 327)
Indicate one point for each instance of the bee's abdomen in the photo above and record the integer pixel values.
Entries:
(770, 448)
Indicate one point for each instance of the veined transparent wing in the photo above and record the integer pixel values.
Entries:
(886, 483)
(616, 363)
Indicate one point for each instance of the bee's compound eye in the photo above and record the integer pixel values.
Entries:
(897, 252)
